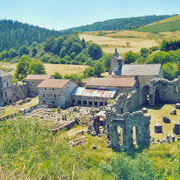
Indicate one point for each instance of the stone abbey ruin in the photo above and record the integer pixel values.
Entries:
(111, 100)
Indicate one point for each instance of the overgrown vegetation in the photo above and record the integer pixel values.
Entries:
(30, 151)
(27, 66)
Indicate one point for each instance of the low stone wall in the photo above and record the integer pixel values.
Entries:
(66, 125)
(28, 110)
(24, 111)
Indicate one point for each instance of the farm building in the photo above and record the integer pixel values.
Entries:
(33, 81)
(99, 90)
(56, 92)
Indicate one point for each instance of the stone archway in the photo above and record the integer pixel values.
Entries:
(145, 95)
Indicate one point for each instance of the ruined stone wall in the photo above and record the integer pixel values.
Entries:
(127, 122)
(5, 81)
(56, 96)
(15, 93)
(126, 102)
(32, 87)
(164, 91)
(11, 93)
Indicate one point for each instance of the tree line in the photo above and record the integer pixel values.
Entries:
(66, 49)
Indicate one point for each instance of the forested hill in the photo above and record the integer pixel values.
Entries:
(14, 34)
(171, 24)
(120, 24)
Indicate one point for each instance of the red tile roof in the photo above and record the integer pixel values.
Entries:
(53, 83)
(111, 82)
(37, 77)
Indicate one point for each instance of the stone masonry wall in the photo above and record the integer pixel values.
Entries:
(162, 90)
(15, 93)
(126, 102)
(56, 96)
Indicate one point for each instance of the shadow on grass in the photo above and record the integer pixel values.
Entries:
(133, 151)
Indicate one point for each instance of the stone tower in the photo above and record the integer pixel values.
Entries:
(116, 64)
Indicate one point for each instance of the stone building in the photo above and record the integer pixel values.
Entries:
(33, 81)
(98, 91)
(127, 130)
(10, 93)
(56, 92)
(144, 72)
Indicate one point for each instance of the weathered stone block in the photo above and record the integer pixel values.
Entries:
(158, 128)
(176, 129)
(144, 110)
(166, 119)
(178, 106)
(173, 112)
(170, 138)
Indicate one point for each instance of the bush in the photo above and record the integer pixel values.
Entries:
(54, 60)
(36, 68)
(95, 51)
(170, 70)
(130, 57)
(57, 75)
(98, 69)
(144, 52)
(123, 167)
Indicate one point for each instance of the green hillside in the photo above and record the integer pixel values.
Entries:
(120, 23)
(14, 34)
(168, 25)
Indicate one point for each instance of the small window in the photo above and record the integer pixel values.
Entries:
(54, 95)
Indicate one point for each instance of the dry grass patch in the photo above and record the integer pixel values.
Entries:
(11, 67)
(108, 43)
(63, 69)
